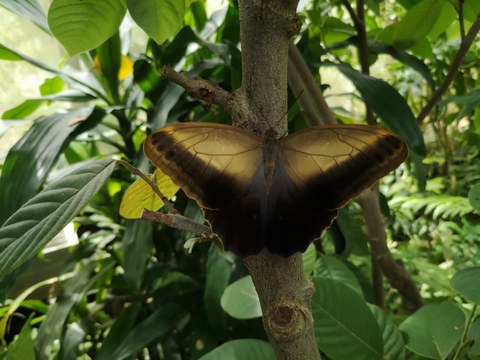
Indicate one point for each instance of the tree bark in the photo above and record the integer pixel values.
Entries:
(260, 106)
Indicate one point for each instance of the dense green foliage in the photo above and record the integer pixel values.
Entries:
(130, 287)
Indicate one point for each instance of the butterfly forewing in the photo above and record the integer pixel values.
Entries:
(335, 163)
(211, 162)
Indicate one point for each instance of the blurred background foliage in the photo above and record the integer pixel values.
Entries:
(119, 289)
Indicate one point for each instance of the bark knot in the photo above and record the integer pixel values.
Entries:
(287, 320)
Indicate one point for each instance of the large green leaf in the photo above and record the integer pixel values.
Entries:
(393, 344)
(84, 25)
(242, 349)
(434, 330)
(219, 269)
(467, 283)
(240, 299)
(345, 328)
(29, 9)
(160, 19)
(42, 217)
(389, 105)
(29, 161)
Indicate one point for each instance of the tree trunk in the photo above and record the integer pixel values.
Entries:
(260, 106)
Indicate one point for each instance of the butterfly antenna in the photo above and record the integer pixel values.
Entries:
(286, 112)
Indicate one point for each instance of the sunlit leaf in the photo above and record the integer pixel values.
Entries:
(140, 195)
(240, 299)
(160, 19)
(84, 25)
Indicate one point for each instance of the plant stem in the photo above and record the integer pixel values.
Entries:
(452, 72)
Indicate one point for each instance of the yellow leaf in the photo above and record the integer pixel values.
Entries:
(126, 68)
(140, 195)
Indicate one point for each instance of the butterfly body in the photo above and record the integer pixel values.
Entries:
(273, 194)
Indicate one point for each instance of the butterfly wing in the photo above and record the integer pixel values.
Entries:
(320, 169)
(221, 167)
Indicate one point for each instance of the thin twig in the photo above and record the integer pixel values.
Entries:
(452, 72)
(181, 222)
(153, 185)
(201, 89)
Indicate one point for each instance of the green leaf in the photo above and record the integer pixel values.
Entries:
(469, 102)
(474, 196)
(36, 223)
(447, 16)
(422, 17)
(22, 348)
(242, 349)
(73, 291)
(29, 161)
(309, 258)
(23, 110)
(434, 330)
(7, 54)
(137, 242)
(467, 283)
(334, 30)
(160, 19)
(389, 105)
(393, 344)
(121, 328)
(219, 268)
(345, 328)
(240, 299)
(351, 229)
(471, 9)
(109, 58)
(29, 9)
(71, 341)
(84, 25)
(52, 86)
(331, 267)
(158, 325)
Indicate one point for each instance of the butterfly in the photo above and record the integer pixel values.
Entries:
(274, 194)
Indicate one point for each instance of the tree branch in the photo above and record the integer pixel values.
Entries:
(452, 72)
(395, 273)
(303, 85)
(201, 89)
